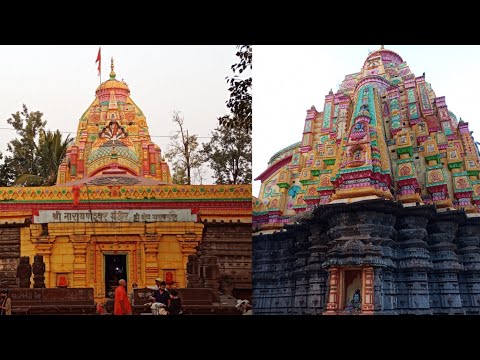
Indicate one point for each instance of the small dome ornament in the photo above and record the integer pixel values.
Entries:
(112, 73)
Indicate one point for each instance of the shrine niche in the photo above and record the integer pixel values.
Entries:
(476, 189)
(330, 151)
(405, 170)
(300, 201)
(325, 181)
(435, 176)
(422, 131)
(274, 203)
(356, 156)
(359, 131)
(62, 279)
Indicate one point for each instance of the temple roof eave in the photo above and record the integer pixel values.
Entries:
(271, 169)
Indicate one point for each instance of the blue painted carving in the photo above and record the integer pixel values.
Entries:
(293, 191)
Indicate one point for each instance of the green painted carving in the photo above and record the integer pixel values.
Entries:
(455, 165)
(406, 150)
(433, 157)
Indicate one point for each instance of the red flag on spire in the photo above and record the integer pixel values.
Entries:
(99, 60)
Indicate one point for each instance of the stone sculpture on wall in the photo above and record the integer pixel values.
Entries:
(38, 272)
(24, 272)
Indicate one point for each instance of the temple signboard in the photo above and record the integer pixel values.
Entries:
(130, 215)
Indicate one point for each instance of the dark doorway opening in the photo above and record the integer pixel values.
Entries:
(115, 269)
(353, 281)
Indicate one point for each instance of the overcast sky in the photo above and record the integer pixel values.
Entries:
(60, 81)
(288, 80)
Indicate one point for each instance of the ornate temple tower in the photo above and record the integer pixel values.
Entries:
(113, 140)
(381, 194)
(383, 134)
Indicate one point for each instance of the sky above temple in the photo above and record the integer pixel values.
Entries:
(60, 81)
(288, 80)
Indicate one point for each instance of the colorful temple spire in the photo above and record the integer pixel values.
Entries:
(113, 142)
(383, 134)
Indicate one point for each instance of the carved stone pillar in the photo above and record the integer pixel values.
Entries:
(210, 271)
(38, 270)
(192, 271)
(300, 276)
(24, 272)
(412, 295)
(151, 259)
(443, 279)
(79, 264)
(188, 244)
(333, 294)
(273, 261)
(468, 239)
(367, 291)
(317, 275)
(45, 250)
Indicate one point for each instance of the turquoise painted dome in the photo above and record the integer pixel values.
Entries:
(108, 151)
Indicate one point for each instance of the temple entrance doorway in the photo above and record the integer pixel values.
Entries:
(353, 281)
(115, 269)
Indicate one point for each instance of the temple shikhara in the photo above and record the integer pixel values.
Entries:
(381, 195)
(114, 213)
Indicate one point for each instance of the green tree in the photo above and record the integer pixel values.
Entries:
(229, 154)
(51, 151)
(32, 163)
(240, 102)
(184, 153)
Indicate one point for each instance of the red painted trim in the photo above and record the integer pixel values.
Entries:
(264, 175)
(109, 167)
(216, 205)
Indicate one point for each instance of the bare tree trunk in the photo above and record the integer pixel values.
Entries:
(187, 157)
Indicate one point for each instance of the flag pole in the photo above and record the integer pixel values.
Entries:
(99, 60)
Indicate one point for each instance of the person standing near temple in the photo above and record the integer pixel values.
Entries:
(6, 304)
(132, 294)
(122, 303)
(175, 305)
(161, 295)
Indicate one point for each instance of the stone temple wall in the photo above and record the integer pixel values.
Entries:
(223, 261)
(422, 261)
(9, 254)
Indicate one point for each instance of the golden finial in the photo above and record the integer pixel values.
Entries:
(112, 73)
(382, 47)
